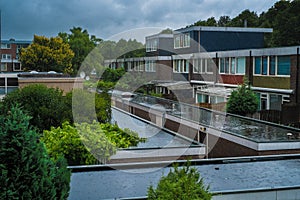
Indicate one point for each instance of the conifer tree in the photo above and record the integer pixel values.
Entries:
(26, 171)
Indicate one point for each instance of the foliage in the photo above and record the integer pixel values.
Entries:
(242, 101)
(88, 106)
(113, 75)
(283, 17)
(81, 43)
(121, 49)
(65, 141)
(26, 170)
(87, 143)
(47, 106)
(167, 31)
(46, 54)
(181, 183)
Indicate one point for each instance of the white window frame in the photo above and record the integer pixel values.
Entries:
(3, 67)
(181, 66)
(230, 60)
(6, 56)
(202, 67)
(268, 67)
(182, 41)
(14, 67)
(5, 46)
(150, 66)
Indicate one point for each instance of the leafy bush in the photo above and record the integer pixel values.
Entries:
(87, 143)
(181, 183)
(47, 106)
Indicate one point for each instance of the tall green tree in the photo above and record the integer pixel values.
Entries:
(246, 17)
(26, 171)
(81, 43)
(181, 183)
(284, 18)
(47, 54)
(242, 101)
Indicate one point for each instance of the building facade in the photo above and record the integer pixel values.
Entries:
(9, 52)
(215, 60)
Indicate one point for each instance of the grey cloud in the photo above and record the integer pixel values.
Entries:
(23, 19)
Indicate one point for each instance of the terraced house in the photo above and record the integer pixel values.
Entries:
(215, 60)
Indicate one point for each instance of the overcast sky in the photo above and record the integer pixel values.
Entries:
(21, 19)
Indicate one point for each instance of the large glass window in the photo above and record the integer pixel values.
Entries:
(203, 66)
(241, 65)
(232, 65)
(265, 65)
(151, 45)
(257, 65)
(284, 65)
(182, 40)
(150, 66)
(272, 65)
(180, 66)
(272, 70)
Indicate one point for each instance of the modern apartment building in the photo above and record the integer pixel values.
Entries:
(215, 60)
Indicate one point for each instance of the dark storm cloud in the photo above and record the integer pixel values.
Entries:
(23, 19)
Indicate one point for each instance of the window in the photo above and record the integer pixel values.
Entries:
(272, 65)
(203, 66)
(232, 65)
(150, 66)
(151, 45)
(180, 66)
(284, 65)
(269, 101)
(182, 40)
(3, 67)
(17, 67)
(272, 68)
(241, 65)
(129, 66)
(5, 46)
(138, 66)
(6, 56)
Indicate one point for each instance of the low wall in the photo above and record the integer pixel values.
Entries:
(219, 143)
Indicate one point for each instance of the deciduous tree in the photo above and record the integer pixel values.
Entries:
(46, 54)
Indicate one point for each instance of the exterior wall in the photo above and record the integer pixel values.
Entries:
(164, 70)
(165, 48)
(224, 41)
(65, 84)
(13, 51)
(231, 79)
(271, 82)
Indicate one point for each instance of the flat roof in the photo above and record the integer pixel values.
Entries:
(16, 41)
(159, 35)
(222, 175)
(224, 29)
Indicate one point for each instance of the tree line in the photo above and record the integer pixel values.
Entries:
(283, 17)
(66, 52)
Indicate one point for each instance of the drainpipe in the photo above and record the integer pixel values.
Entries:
(217, 69)
(297, 77)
